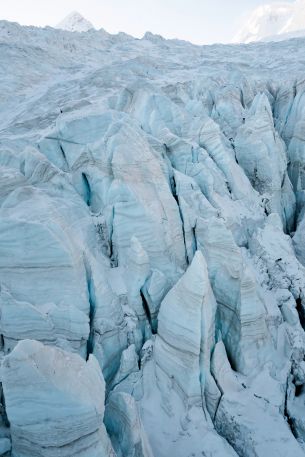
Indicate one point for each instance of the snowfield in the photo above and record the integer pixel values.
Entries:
(152, 246)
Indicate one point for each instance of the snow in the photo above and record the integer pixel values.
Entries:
(273, 22)
(265, 20)
(151, 246)
(75, 22)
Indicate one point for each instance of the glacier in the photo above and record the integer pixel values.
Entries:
(152, 233)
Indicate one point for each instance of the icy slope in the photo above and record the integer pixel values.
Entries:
(276, 21)
(152, 286)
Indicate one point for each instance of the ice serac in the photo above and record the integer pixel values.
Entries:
(47, 323)
(241, 312)
(251, 422)
(186, 332)
(109, 157)
(182, 352)
(115, 170)
(125, 428)
(298, 241)
(294, 132)
(54, 402)
(50, 313)
(274, 254)
(174, 385)
(262, 154)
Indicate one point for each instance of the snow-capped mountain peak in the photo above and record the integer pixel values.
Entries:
(277, 21)
(75, 22)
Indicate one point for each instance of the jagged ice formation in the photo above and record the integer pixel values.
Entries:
(152, 230)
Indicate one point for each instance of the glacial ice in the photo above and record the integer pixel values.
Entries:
(67, 404)
(152, 230)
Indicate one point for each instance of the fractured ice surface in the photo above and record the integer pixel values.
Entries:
(186, 331)
(261, 153)
(152, 233)
(52, 410)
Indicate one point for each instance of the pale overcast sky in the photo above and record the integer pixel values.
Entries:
(199, 21)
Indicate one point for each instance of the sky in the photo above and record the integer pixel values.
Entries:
(199, 21)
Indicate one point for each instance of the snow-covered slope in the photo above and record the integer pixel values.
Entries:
(152, 230)
(275, 21)
(75, 22)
